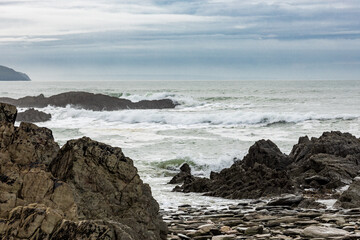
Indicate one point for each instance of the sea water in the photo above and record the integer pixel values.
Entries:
(214, 123)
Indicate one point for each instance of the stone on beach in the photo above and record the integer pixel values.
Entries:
(323, 232)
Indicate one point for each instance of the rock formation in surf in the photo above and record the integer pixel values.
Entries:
(85, 190)
(315, 166)
(89, 101)
(8, 74)
(32, 115)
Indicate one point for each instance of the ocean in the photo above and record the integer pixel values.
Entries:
(214, 123)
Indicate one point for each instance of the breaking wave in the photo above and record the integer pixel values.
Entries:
(176, 117)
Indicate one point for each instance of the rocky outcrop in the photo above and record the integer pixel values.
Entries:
(259, 174)
(85, 190)
(324, 164)
(327, 162)
(8, 74)
(185, 172)
(89, 101)
(32, 115)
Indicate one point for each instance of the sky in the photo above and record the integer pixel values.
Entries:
(54, 40)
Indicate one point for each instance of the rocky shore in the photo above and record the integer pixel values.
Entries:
(90, 190)
(89, 101)
(259, 220)
(85, 190)
(33, 115)
(316, 167)
(290, 192)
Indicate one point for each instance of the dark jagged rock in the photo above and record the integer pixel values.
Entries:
(351, 197)
(89, 101)
(333, 143)
(267, 153)
(32, 115)
(185, 172)
(327, 162)
(8, 74)
(323, 164)
(92, 191)
(258, 175)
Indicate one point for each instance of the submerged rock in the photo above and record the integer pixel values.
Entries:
(32, 115)
(85, 190)
(89, 101)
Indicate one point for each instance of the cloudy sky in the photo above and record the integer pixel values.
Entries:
(181, 39)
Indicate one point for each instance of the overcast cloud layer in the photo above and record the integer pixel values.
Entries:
(173, 39)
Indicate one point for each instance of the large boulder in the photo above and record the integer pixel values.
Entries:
(106, 185)
(32, 115)
(86, 190)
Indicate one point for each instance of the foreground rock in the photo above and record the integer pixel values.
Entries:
(323, 164)
(85, 190)
(7, 113)
(89, 101)
(32, 115)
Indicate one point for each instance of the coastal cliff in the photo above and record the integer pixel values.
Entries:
(8, 74)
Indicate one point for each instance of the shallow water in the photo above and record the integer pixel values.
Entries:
(214, 123)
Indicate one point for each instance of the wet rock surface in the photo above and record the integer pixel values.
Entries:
(89, 101)
(85, 190)
(32, 115)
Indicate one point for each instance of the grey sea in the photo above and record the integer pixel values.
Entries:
(214, 123)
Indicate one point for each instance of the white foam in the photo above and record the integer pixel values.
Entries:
(175, 117)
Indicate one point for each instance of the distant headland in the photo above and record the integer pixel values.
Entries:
(8, 74)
